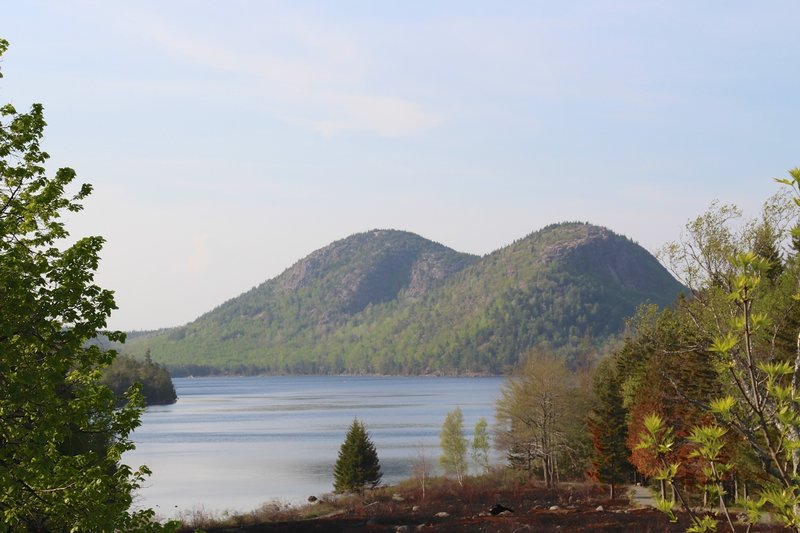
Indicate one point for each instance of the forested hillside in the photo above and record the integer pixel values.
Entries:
(392, 302)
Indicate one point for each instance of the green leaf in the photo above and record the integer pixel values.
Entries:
(725, 344)
(722, 406)
(665, 506)
(704, 524)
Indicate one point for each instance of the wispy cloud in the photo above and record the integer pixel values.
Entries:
(387, 116)
(325, 91)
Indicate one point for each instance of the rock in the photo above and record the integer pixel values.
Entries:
(312, 499)
(600, 508)
(442, 514)
(499, 509)
(415, 509)
(505, 513)
(397, 498)
(555, 508)
(401, 529)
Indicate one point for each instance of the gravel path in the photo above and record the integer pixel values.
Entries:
(641, 496)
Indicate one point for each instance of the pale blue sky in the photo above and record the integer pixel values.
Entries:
(226, 140)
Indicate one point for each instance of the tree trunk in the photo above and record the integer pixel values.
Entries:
(547, 469)
(530, 464)
(558, 477)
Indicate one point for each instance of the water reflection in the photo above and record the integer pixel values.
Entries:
(234, 443)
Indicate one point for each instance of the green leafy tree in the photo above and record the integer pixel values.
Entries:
(454, 445)
(480, 445)
(61, 437)
(535, 412)
(357, 466)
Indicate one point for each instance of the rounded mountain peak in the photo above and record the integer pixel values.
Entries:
(601, 254)
(373, 267)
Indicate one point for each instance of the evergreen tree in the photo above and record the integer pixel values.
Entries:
(357, 466)
(454, 445)
(609, 429)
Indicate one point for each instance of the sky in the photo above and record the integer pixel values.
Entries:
(227, 140)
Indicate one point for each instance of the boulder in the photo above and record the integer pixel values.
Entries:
(498, 509)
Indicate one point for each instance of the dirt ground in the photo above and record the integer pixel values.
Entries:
(571, 508)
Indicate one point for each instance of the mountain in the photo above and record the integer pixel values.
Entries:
(389, 301)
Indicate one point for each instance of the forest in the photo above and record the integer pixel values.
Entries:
(701, 398)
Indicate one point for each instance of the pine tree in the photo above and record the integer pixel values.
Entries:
(357, 466)
(608, 426)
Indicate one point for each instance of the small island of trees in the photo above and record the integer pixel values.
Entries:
(154, 379)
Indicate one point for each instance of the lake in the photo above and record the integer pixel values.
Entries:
(233, 443)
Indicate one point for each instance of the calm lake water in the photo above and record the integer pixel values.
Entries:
(235, 443)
